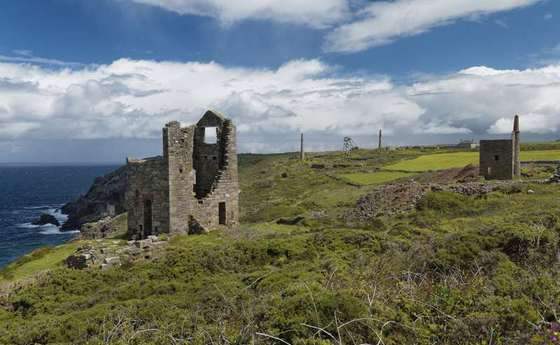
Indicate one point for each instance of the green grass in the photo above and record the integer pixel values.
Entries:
(374, 177)
(416, 280)
(540, 155)
(39, 260)
(456, 270)
(460, 159)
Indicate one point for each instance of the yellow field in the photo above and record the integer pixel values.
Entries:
(460, 159)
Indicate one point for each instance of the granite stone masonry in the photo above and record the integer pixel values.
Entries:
(193, 188)
(500, 159)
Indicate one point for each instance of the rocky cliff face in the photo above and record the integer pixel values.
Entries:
(105, 198)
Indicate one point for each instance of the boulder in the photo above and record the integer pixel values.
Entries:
(556, 177)
(77, 261)
(46, 219)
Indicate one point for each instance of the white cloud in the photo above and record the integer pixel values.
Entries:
(314, 13)
(133, 99)
(382, 22)
(355, 25)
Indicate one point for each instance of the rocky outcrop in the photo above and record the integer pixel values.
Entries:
(106, 227)
(556, 177)
(105, 198)
(46, 219)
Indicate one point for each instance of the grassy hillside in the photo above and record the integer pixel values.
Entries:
(456, 270)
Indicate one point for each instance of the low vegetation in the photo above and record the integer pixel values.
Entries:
(456, 270)
(373, 178)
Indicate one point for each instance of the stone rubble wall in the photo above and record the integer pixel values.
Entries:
(103, 254)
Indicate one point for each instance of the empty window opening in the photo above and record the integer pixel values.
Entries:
(496, 158)
(222, 213)
(214, 157)
(210, 135)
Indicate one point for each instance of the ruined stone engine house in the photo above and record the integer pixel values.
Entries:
(193, 188)
(500, 159)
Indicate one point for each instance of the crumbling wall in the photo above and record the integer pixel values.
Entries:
(147, 197)
(193, 187)
(178, 148)
(224, 189)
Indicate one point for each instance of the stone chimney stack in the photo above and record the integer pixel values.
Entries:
(516, 148)
(380, 139)
(301, 150)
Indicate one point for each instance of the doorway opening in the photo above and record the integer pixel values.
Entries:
(147, 218)
(222, 213)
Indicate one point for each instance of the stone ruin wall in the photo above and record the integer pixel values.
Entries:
(496, 159)
(147, 182)
(216, 173)
(194, 186)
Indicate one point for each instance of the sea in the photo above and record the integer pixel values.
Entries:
(27, 191)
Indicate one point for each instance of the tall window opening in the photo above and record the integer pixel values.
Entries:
(222, 213)
(210, 135)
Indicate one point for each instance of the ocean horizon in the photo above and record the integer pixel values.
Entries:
(30, 189)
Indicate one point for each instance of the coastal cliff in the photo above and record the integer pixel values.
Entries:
(105, 198)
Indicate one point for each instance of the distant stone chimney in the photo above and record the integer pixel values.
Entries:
(301, 149)
(516, 148)
(380, 139)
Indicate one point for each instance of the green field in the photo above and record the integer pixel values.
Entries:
(460, 159)
(374, 177)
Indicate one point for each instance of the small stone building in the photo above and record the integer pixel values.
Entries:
(500, 159)
(496, 159)
(193, 188)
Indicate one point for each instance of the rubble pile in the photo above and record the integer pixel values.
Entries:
(472, 188)
(556, 177)
(389, 200)
(392, 199)
(105, 254)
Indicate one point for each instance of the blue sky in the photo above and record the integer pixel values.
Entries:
(109, 73)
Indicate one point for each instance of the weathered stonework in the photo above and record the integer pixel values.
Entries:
(496, 159)
(193, 187)
(500, 159)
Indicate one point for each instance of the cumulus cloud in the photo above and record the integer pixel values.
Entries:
(134, 98)
(382, 22)
(314, 13)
